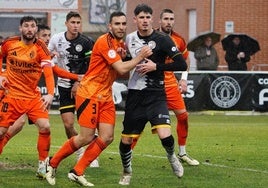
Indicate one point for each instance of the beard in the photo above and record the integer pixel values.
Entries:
(28, 37)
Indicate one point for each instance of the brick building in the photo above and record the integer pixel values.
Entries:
(195, 16)
(192, 17)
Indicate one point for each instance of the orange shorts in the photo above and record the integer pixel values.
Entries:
(174, 99)
(12, 109)
(91, 112)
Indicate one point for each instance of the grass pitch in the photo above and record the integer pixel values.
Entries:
(232, 151)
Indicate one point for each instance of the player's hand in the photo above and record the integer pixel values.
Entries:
(146, 67)
(145, 52)
(74, 89)
(122, 52)
(183, 86)
(47, 101)
(80, 76)
(3, 82)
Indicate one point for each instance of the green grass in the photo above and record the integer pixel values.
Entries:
(232, 151)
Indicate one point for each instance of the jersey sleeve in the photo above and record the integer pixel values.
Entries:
(107, 50)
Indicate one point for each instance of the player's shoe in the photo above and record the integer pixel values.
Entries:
(50, 174)
(79, 153)
(41, 171)
(187, 159)
(126, 176)
(81, 180)
(95, 163)
(176, 165)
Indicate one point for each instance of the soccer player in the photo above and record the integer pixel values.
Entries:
(146, 98)
(73, 50)
(94, 100)
(43, 33)
(26, 58)
(174, 88)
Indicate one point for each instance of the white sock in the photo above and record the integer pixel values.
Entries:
(182, 150)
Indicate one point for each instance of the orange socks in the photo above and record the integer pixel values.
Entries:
(92, 152)
(67, 149)
(43, 145)
(182, 128)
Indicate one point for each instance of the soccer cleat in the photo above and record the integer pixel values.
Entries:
(176, 165)
(190, 161)
(125, 178)
(50, 174)
(95, 163)
(79, 153)
(41, 171)
(81, 180)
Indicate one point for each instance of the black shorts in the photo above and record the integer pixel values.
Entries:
(143, 107)
(67, 103)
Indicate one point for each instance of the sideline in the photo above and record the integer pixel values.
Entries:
(208, 112)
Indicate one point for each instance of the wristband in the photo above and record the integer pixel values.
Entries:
(184, 75)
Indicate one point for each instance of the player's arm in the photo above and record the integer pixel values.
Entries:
(3, 79)
(124, 67)
(50, 84)
(64, 74)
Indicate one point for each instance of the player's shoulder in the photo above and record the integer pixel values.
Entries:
(177, 36)
(159, 33)
(58, 35)
(11, 39)
(40, 42)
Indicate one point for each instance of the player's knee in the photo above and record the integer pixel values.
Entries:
(168, 141)
(183, 116)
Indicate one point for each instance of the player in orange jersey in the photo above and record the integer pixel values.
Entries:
(26, 58)
(43, 31)
(174, 89)
(94, 100)
(73, 54)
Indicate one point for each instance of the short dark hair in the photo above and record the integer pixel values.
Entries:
(143, 8)
(72, 14)
(42, 27)
(166, 10)
(27, 19)
(116, 14)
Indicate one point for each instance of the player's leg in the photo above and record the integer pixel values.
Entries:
(160, 125)
(182, 132)
(43, 145)
(105, 113)
(40, 119)
(133, 125)
(3, 131)
(176, 103)
(14, 129)
(9, 114)
(67, 112)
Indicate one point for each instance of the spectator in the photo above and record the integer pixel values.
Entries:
(237, 56)
(206, 56)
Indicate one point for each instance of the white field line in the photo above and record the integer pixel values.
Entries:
(204, 163)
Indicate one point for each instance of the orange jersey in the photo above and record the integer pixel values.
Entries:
(170, 78)
(24, 65)
(98, 80)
